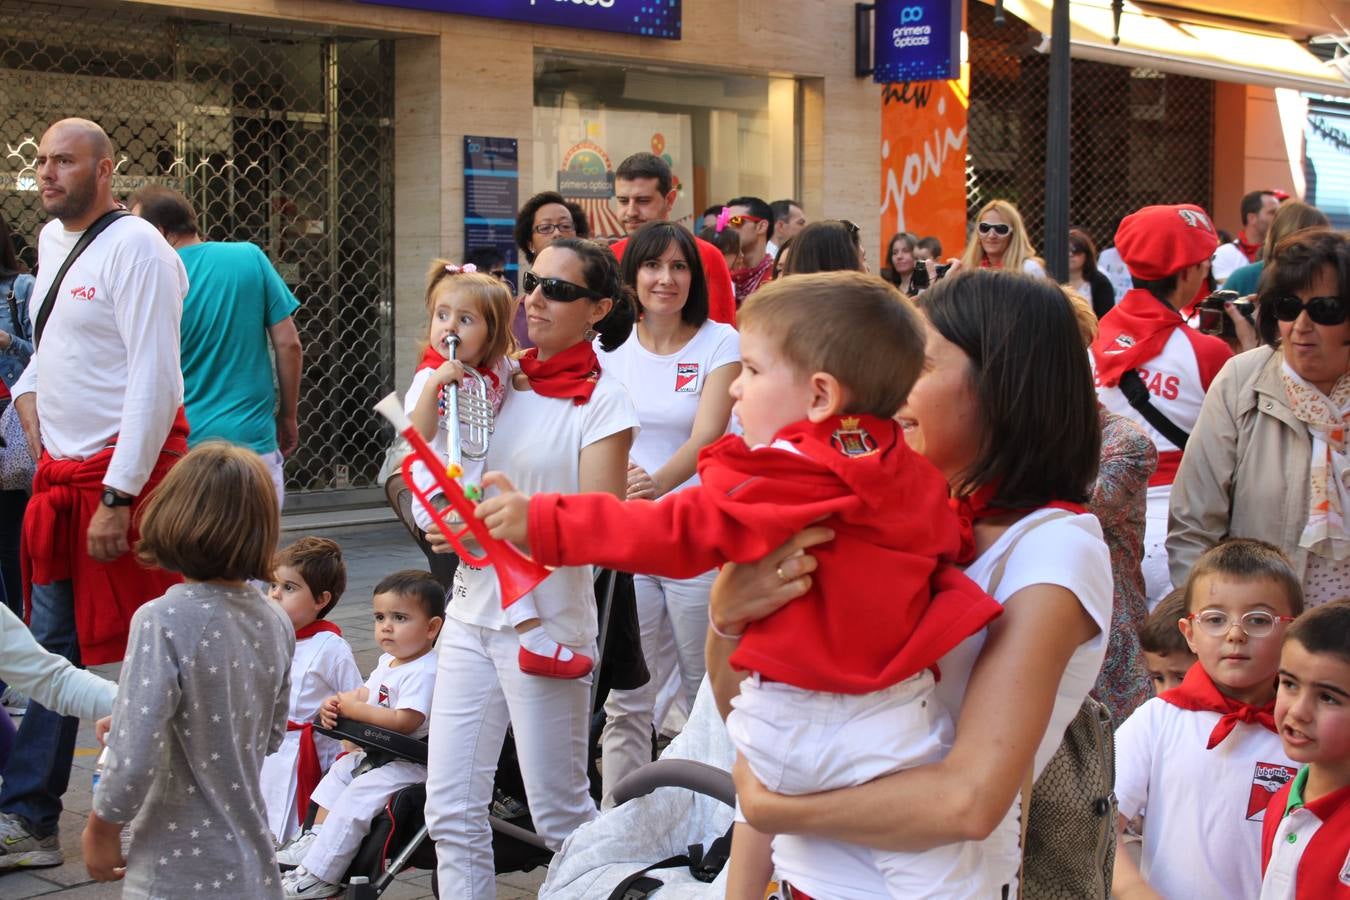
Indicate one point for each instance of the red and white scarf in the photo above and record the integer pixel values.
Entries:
(1326, 418)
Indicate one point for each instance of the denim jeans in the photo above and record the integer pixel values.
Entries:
(38, 770)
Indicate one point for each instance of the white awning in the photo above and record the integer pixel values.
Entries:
(1185, 48)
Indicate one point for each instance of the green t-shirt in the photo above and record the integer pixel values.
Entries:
(1245, 279)
(234, 296)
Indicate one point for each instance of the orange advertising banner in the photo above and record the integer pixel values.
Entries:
(923, 161)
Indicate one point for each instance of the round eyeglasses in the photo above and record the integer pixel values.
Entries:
(1257, 624)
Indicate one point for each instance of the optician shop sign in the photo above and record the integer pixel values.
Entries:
(648, 18)
(917, 40)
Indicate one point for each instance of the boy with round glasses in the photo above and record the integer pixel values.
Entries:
(1200, 762)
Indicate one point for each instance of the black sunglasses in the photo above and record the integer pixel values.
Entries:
(1322, 310)
(997, 228)
(557, 289)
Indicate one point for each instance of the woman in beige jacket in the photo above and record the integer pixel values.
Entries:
(1267, 458)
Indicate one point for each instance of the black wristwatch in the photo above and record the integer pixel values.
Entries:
(113, 498)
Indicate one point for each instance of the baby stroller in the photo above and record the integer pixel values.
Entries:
(398, 836)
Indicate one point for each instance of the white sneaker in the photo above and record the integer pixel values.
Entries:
(301, 884)
(20, 848)
(293, 854)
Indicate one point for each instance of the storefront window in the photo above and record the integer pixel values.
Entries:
(723, 135)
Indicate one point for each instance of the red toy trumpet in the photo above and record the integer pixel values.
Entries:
(516, 573)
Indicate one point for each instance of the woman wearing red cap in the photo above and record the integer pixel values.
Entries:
(1268, 455)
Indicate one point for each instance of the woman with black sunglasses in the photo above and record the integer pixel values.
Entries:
(1267, 458)
(999, 241)
(565, 426)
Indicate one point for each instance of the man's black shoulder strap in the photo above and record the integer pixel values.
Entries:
(93, 231)
(1132, 386)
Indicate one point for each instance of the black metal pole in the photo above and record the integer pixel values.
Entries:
(1057, 147)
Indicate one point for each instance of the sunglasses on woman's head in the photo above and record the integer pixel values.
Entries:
(557, 289)
(853, 230)
(1322, 310)
(997, 228)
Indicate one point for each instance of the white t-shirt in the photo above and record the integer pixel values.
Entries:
(537, 444)
(109, 360)
(666, 389)
(1031, 267)
(1227, 260)
(406, 686)
(440, 441)
(1068, 552)
(1113, 267)
(1202, 808)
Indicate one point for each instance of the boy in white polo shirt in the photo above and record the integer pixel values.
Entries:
(1201, 762)
(1305, 845)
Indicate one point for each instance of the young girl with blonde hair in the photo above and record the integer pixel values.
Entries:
(203, 694)
(477, 309)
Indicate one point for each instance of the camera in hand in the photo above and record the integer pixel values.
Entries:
(941, 269)
(1214, 320)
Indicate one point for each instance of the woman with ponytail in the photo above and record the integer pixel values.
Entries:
(564, 426)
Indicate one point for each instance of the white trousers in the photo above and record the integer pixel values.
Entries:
(1157, 579)
(665, 606)
(352, 804)
(801, 742)
(480, 690)
(276, 467)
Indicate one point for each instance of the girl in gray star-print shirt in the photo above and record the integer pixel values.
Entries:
(203, 694)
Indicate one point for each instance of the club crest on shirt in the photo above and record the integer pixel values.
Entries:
(1123, 342)
(851, 439)
(383, 699)
(1267, 779)
(686, 378)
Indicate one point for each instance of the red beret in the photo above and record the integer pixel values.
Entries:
(1158, 241)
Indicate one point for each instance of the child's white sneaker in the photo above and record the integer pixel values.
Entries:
(302, 884)
(293, 854)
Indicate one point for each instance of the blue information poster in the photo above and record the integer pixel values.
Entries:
(649, 18)
(491, 194)
(917, 40)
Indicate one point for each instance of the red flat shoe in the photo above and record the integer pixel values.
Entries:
(551, 667)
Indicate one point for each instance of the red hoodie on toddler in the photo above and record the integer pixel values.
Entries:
(885, 603)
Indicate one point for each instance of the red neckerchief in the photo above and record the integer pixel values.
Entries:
(1197, 692)
(434, 359)
(1252, 251)
(571, 373)
(1132, 333)
(315, 627)
(979, 505)
(750, 279)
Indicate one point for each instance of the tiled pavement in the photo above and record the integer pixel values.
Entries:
(371, 551)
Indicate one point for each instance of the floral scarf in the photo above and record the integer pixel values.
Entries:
(1329, 469)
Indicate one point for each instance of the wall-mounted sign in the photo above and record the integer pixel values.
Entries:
(491, 194)
(648, 18)
(923, 161)
(917, 40)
